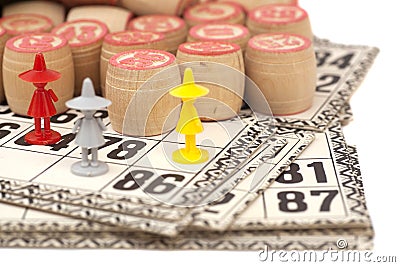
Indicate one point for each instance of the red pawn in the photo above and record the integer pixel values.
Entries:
(41, 105)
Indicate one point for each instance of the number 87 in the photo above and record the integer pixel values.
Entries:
(298, 199)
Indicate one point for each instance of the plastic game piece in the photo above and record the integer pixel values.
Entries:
(89, 130)
(41, 105)
(189, 122)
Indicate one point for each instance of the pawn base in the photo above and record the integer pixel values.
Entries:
(194, 157)
(43, 139)
(90, 170)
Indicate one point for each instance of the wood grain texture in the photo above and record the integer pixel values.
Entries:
(225, 32)
(118, 42)
(26, 23)
(168, 7)
(222, 102)
(173, 27)
(151, 110)
(116, 18)
(285, 75)
(17, 60)
(213, 12)
(278, 19)
(3, 39)
(85, 37)
(250, 4)
(54, 11)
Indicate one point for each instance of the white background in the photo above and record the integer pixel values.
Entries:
(373, 131)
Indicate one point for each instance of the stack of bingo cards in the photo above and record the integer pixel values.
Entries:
(195, 125)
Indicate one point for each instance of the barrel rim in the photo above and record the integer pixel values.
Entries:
(113, 60)
(237, 11)
(103, 27)
(233, 48)
(252, 44)
(11, 46)
(194, 31)
(181, 23)
(109, 38)
(48, 23)
(266, 20)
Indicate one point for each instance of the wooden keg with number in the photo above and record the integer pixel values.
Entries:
(25, 23)
(167, 7)
(220, 32)
(118, 42)
(213, 12)
(116, 18)
(284, 68)
(226, 91)
(19, 55)
(250, 4)
(85, 37)
(52, 10)
(279, 19)
(173, 28)
(141, 103)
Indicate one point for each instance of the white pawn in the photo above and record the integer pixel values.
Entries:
(89, 130)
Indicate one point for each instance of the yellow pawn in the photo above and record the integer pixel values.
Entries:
(189, 122)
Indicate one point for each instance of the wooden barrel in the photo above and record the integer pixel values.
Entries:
(25, 23)
(19, 55)
(3, 39)
(250, 4)
(52, 10)
(116, 18)
(85, 37)
(213, 12)
(284, 68)
(279, 19)
(146, 103)
(118, 42)
(168, 7)
(173, 27)
(222, 102)
(220, 32)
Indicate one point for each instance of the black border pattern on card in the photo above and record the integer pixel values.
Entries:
(348, 185)
(304, 138)
(83, 204)
(313, 239)
(104, 237)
